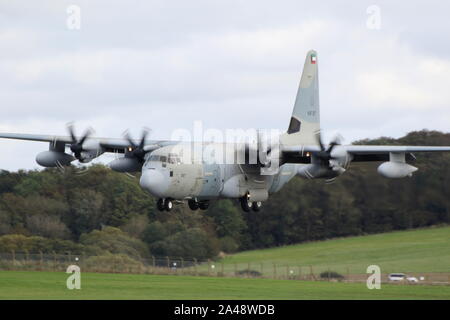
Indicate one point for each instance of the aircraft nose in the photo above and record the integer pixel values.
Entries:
(154, 181)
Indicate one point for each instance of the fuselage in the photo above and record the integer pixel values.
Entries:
(169, 173)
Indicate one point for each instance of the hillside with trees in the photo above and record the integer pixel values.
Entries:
(100, 211)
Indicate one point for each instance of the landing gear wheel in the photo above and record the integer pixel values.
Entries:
(168, 204)
(256, 206)
(193, 205)
(203, 205)
(160, 205)
(246, 204)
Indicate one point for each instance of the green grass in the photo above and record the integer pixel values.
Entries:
(417, 251)
(423, 250)
(52, 285)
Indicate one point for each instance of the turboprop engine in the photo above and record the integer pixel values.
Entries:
(83, 149)
(134, 156)
(328, 163)
(125, 164)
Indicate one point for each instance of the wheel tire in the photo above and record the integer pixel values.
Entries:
(160, 205)
(245, 204)
(168, 204)
(193, 205)
(256, 206)
(203, 205)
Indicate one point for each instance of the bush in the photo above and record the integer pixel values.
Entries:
(228, 244)
(190, 243)
(113, 240)
(47, 226)
(113, 263)
(331, 275)
(249, 273)
(34, 244)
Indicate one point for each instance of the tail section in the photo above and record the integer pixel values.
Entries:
(305, 119)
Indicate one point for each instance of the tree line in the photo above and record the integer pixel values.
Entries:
(100, 211)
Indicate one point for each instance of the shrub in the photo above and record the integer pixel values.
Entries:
(331, 275)
(249, 273)
(113, 263)
(113, 240)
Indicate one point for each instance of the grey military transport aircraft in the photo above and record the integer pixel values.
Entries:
(176, 171)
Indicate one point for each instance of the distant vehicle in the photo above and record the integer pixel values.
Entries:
(397, 277)
(402, 277)
(412, 279)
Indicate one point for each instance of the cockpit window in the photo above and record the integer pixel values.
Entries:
(157, 158)
(174, 158)
(162, 159)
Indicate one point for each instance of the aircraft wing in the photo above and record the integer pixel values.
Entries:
(357, 149)
(359, 153)
(108, 144)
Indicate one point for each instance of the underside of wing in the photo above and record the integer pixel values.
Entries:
(86, 148)
(117, 145)
(333, 160)
(358, 153)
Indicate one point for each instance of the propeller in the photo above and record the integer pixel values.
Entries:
(77, 145)
(325, 153)
(330, 164)
(137, 150)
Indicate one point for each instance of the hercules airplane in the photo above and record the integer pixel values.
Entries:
(265, 167)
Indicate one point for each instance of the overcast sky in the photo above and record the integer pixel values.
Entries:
(232, 64)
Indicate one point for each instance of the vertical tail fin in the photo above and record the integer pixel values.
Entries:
(305, 119)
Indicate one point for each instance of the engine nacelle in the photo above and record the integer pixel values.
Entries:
(91, 150)
(125, 164)
(396, 170)
(53, 159)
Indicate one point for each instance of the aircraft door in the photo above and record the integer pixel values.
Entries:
(211, 180)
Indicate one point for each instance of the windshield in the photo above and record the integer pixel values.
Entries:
(157, 158)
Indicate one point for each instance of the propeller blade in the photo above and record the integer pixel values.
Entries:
(144, 137)
(319, 140)
(128, 137)
(77, 146)
(85, 136)
(138, 150)
(331, 146)
(71, 132)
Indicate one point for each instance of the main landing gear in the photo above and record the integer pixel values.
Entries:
(164, 204)
(167, 204)
(194, 204)
(248, 205)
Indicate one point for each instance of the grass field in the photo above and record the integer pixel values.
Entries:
(420, 251)
(424, 250)
(52, 285)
